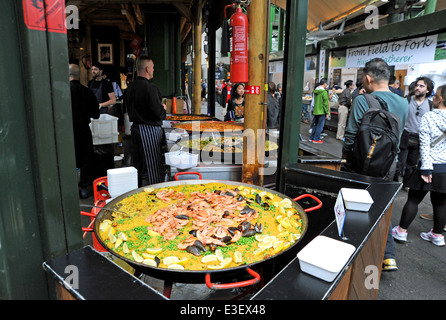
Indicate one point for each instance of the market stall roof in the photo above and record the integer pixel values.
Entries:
(331, 12)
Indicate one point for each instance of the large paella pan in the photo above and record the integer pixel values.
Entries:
(188, 230)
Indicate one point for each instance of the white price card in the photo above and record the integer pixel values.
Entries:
(339, 210)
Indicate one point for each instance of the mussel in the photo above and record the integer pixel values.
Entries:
(240, 198)
(265, 205)
(194, 250)
(258, 228)
(200, 245)
(245, 225)
(232, 230)
(247, 210)
(182, 217)
(227, 193)
(193, 233)
(258, 199)
(226, 239)
(248, 233)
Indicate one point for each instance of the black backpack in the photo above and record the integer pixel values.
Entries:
(376, 144)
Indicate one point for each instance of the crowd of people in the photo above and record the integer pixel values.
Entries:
(421, 159)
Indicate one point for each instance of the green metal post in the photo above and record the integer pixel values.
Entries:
(294, 68)
(39, 205)
(430, 7)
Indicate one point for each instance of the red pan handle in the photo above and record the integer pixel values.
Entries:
(182, 173)
(240, 284)
(312, 197)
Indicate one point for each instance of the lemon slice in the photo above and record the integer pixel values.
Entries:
(284, 234)
(259, 251)
(270, 238)
(148, 256)
(209, 258)
(137, 257)
(285, 222)
(118, 243)
(170, 260)
(149, 262)
(286, 203)
(226, 262)
(154, 250)
(219, 254)
(125, 249)
(286, 245)
(215, 266)
(112, 237)
(269, 196)
(294, 223)
(289, 213)
(182, 261)
(282, 210)
(238, 258)
(122, 236)
(153, 233)
(175, 266)
(296, 236)
(262, 194)
(149, 190)
(278, 246)
(105, 225)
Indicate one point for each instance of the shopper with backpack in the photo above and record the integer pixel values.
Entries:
(392, 110)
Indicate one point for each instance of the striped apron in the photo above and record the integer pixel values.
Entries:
(147, 155)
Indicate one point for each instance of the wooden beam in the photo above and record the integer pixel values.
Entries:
(185, 11)
(130, 18)
(139, 15)
(196, 85)
(255, 105)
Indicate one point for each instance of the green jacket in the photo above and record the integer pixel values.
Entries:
(321, 105)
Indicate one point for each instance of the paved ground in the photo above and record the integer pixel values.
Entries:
(422, 266)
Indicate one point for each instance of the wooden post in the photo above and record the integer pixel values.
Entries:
(255, 105)
(196, 85)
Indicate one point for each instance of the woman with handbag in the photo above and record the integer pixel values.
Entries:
(430, 175)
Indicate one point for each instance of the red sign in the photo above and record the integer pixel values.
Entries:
(252, 90)
(45, 15)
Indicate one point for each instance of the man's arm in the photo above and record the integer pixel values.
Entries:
(358, 109)
(111, 94)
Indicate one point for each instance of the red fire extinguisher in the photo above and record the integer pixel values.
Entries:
(238, 45)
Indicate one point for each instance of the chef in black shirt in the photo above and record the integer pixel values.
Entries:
(146, 111)
(84, 106)
(102, 88)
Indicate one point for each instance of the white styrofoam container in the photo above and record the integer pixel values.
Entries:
(181, 160)
(325, 257)
(122, 180)
(105, 129)
(175, 135)
(356, 199)
(105, 138)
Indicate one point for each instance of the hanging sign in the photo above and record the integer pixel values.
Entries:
(45, 15)
(252, 90)
(322, 57)
(411, 51)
